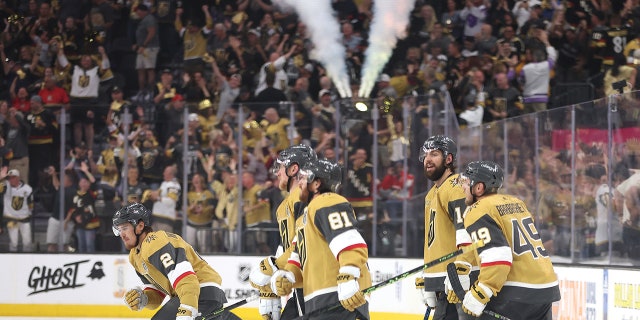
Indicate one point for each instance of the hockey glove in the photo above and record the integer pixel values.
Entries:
(349, 292)
(282, 282)
(476, 299)
(270, 304)
(428, 297)
(463, 269)
(186, 312)
(261, 275)
(136, 299)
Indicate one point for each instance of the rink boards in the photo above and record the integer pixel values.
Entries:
(76, 285)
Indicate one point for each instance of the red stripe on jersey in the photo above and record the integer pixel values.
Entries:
(182, 276)
(351, 247)
(496, 263)
(295, 263)
(464, 244)
(162, 294)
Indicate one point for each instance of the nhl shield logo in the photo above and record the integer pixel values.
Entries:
(243, 272)
(17, 202)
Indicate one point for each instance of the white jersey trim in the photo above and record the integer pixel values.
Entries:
(320, 292)
(344, 240)
(180, 269)
(531, 285)
(496, 254)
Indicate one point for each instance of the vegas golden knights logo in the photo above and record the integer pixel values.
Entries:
(83, 81)
(148, 160)
(284, 233)
(302, 247)
(17, 203)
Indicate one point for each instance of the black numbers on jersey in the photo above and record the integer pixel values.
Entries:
(339, 220)
(432, 228)
(284, 234)
(526, 238)
(302, 247)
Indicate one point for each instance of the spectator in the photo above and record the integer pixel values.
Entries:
(54, 226)
(229, 90)
(17, 207)
(257, 214)
(503, 100)
(85, 83)
(43, 127)
(153, 158)
(358, 188)
(277, 130)
(135, 187)
(16, 132)
(147, 46)
(474, 14)
(275, 65)
(195, 87)
(52, 95)
(536, 74)
(194, 39)
(200, 214)
(83, 213)
(269, 95)
(323, 117)
(227, 207)
(451, 20)
(165, 90)
(165, 201)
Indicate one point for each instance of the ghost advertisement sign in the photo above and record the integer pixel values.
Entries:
(46, 278)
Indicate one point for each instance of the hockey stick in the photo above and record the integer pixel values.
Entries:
(228, 308)
(460, 292)
(427, 313)
(473, 246)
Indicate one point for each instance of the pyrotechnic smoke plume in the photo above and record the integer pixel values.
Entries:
(324, 30)
(389, 23)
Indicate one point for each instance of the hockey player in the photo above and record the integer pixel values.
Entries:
(286, 167)
(516, 277)
(444, 229)
(330, 256)
(167, 265)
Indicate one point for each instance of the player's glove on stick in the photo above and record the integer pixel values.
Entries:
(428, 297)
(261, 275)
(282, 282)
(186, 312)
(476, 299)
(270, 304)
(349, 292)
(136, 299)
(463, 269)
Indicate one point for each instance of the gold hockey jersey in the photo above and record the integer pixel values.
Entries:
(513, 261)
(326, 240)
(444, 228)
(286, 217)
(168, 265)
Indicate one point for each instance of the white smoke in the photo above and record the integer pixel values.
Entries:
(389, 23)
(324, 30)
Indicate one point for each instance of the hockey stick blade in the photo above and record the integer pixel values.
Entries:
(394, 279)
(220, 311)
(459, 290)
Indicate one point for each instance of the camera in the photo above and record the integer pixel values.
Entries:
(619, 86)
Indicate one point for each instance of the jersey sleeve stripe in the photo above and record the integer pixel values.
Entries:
(181, 270)
(497, 263)
(463, 238)
(346, 241)
(294, 259)
(497, 255)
